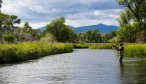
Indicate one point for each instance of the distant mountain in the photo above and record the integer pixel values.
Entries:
(101, 27)
(42, 28)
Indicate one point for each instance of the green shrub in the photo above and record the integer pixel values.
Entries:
(48, 38)
(31, 50)
(9, 38)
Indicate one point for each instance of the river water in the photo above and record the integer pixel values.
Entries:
(83, 66)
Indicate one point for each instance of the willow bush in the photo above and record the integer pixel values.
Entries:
(31, 50)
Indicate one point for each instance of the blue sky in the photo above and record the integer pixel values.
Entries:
(77, 12)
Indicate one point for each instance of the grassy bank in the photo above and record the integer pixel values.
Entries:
(31, 50)
(93, 45)
(135, 50)
(130, 50)
(101, 46)
(80, 45)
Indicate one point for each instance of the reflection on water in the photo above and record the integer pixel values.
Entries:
(80, 67)
(133, 72)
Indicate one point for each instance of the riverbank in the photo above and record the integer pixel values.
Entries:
(94, 45)
(135, 50)
(130, 49)
(10, 53)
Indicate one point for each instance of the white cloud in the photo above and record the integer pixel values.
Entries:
(35, 25)
(78, 23)
(77, 12)
(109, 13)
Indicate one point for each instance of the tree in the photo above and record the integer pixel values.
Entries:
(81, 37)
(59, 30)
(0, 5)
(127, 30)
(108, 36)
(90, 36)
(93, 36)
(9, 38)
(27, 28)
(137, 9)
(7, 23)
(126, 34)
(26, 33)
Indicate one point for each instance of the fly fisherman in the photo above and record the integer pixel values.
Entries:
(121, 50)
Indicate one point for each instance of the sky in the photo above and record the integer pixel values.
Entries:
(77, 12)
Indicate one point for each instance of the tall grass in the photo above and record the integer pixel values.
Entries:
(30, 50)
(101, 46)
(81, 45)
(135, 50)
(94, 45)
(130, 50)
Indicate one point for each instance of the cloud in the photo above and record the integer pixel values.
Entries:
(78, 23)
(39, 11)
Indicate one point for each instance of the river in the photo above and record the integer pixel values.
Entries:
(83, 66)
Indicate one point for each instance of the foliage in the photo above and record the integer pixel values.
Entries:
(102, 46)
(108, 36)
(126, 34)
(91, 36)
(7, 23)
(114, 40)
(48, 38)
(81, 45)
(94, 45)
(60, 31)
(26, 33)
(30, 50)
(135, 50)
(9, 38)
(135, 12)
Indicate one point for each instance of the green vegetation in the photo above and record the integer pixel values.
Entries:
(60, 31)
(30, 43)
(80, 45)
(132, 21)
(91, 36)
(9, 38)
(31, 50)
(130, 49)
(94, 45)
(102, 46)
(135, 50)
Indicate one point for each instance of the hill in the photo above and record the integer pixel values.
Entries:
(101, 27)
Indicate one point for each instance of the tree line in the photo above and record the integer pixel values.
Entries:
(63, 33)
